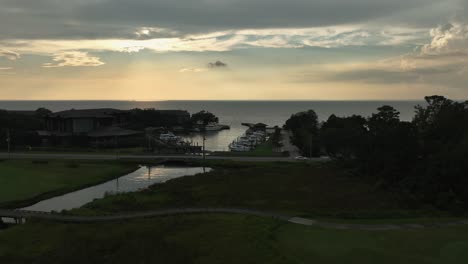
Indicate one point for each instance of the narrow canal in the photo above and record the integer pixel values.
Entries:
(135, 181)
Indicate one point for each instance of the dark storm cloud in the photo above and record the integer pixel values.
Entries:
(122, 18)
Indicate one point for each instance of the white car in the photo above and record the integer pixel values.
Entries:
(301, 158)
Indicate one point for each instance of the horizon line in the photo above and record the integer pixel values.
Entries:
(211, 100)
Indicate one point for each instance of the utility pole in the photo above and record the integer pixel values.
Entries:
(203, 148)
(8, 140)
(310, 146)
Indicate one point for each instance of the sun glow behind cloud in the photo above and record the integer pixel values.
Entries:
(273, 49)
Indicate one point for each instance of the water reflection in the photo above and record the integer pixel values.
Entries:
(137, 180)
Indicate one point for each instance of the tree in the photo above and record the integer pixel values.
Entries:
(204, 118)
(443, 135)
(43, 112)
(392, 145)
(386, 117)
(304, 127)
(140, 119)
(344, 138)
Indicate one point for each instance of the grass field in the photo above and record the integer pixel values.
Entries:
(226, 239)
(24, 182)
(305, 189)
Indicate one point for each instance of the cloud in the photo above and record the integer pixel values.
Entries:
(155, 32)
(74, 59)
(442, 61)
(192, 70)
(327, 37)
(447, 52)
(76, 52)
(6, 71)
(11, 55)
(217, 64)
(449, 38)
(210, 66)
(109, 19)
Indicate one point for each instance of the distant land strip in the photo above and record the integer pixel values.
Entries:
(98, 156)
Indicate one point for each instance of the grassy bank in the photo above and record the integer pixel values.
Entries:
(24, 182)
(306, 189)
(225, 239)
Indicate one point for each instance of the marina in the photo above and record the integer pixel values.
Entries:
(254, 136)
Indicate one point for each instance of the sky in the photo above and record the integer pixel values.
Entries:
(233, 49)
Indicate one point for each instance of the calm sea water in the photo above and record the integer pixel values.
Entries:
(232, 113)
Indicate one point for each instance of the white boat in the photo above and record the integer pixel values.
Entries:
(238, 147)
(213, 127)
(248, 141)
(168, 137)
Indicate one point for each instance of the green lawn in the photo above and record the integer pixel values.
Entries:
(265, 148)
(23, 182)
(226, 239)
(305, 189)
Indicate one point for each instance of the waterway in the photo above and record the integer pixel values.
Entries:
(138, 180)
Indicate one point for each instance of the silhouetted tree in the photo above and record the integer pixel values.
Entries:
(204, 118)
(304, 127)
(344, 138)
(43, 112)
(443, 136)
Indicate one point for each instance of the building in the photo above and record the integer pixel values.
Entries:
(106, 127)
(90, 127)
(81, 122)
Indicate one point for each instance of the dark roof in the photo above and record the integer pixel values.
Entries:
(22, 112)
(113, 132)
(84, 113)
(44, 133)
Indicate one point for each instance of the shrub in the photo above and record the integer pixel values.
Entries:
(72, 164)
(42, 162)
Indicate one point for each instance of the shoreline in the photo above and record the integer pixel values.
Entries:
(51, 194)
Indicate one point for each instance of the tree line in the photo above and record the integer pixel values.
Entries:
(426, 158)
(20, 127)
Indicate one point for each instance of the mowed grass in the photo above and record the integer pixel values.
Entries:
(24, 181)
(265, 148)
(226, 239)
(304, 189)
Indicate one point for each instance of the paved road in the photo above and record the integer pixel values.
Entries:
(180, 211)
(141, 157)
(287, 145)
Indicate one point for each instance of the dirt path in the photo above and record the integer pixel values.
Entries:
(182, 211)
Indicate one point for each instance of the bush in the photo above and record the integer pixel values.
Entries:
(42, 162)
(72, 165)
